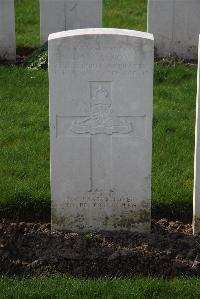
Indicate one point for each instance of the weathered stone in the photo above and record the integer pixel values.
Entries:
(7, 30)
(101, 86)
(61, 15)
(175, 25)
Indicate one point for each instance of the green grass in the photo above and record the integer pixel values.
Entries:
(173, 140)
(24, 184)
(24, 147)
(117, 13)
(24, 152)
(135, 288)
(130, 14)
(27, 16)
(24, 167)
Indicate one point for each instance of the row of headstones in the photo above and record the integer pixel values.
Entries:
(55, 16)
(101, 91)
(174, 23)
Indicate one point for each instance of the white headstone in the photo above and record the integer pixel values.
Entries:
(101, 85)
(196, 192)
(176, 26)
(7, 30)
(61, 15)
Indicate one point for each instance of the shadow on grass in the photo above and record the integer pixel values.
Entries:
(25, 208)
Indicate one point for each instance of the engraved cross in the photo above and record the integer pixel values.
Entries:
(101, 124)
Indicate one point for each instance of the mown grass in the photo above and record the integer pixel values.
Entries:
(117, 13)
(24, 150)
(27, 17)
(130, 14)
(173, 140)
(24, 184)
(134, 288)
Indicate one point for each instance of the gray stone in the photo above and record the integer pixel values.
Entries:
(7, 30)
(176, 26)
(101, 90)
(61, 15)
(196, 191)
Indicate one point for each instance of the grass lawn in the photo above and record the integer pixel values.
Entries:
(130, 14)
(27, 17)
(24, 152)
(24, 149)
(117, 13)
(24, 167)
(173, 140)
(135, 288)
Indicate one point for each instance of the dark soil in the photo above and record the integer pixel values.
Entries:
(31, 249)
(23, 53)
(21, 56)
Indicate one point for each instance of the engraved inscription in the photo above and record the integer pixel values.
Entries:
(113, 68)
(100, 199)
(101, 119)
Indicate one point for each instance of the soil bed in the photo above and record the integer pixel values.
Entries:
(31, 249)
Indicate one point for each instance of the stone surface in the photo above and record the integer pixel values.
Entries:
(61, 15)
(175, 25)
(7, 30)
(101, 83)
(196, 191)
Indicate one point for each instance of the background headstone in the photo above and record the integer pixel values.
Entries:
(176, 26)
(101, 86)
(196, 192)
(61, 15)
(7, 30)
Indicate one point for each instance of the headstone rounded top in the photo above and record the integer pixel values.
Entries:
(101, 92)
(101, 31)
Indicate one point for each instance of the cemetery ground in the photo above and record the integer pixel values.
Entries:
(26, 245)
